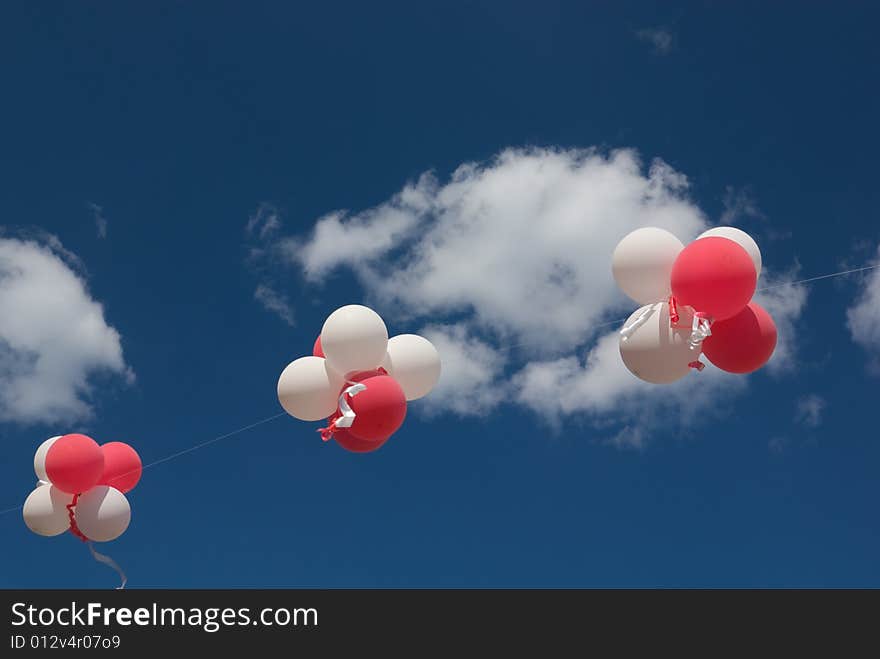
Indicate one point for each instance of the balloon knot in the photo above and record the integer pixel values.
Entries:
(327, 433)
(73, 527)
(698, 365)
(673, 310)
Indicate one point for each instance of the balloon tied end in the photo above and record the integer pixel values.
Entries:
(697, 365)
(327, 433)
(673, 310)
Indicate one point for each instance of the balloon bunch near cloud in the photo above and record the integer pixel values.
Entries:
(698, 299)
(81, 488)
(359, 379)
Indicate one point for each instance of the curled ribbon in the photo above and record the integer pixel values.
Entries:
(344, 416)
(347, 417)
(74, 529)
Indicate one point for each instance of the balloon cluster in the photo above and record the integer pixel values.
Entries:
(359, 379)
(81, 488)
(698, 299)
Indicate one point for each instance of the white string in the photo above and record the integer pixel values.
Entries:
(190, 449)
(833, 274)
(216, 439)
(603, 324)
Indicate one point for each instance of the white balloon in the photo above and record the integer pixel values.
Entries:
(308, 389)
(40, 458)
(354, 338)
(740, 237)
(414, 362)
(642, 263)
(102, 513)
(654, 351)
(45, 511)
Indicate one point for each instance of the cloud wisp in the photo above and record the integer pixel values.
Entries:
(809, 410)
(262, 232)
(661, 39)
(99, 218)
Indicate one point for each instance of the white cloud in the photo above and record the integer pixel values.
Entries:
(601, 388)
(471, 380)
(339, 238)
(521, 245)
(516, 253)
(863, 317)
(809, 410)
(660, 38)
(53, 337)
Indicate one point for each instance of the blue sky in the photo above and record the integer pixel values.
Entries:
(139, 143)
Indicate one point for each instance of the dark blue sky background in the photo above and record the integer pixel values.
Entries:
(180, 118)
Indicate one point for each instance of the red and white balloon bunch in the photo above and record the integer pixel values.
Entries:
(698, 299)
(82, 488)
(359, 379)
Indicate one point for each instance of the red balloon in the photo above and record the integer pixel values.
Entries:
(715, 276)
(122, 466)
(744, 343)
(74, 463)
(379, 409)
(317, 350)
(351, 443)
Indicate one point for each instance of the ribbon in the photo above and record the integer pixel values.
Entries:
(106, 560)
(344, 416)
(701, 330)
(347, 417)
(98, 556)
(673, 310)
(628, 330)
(74, 529)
